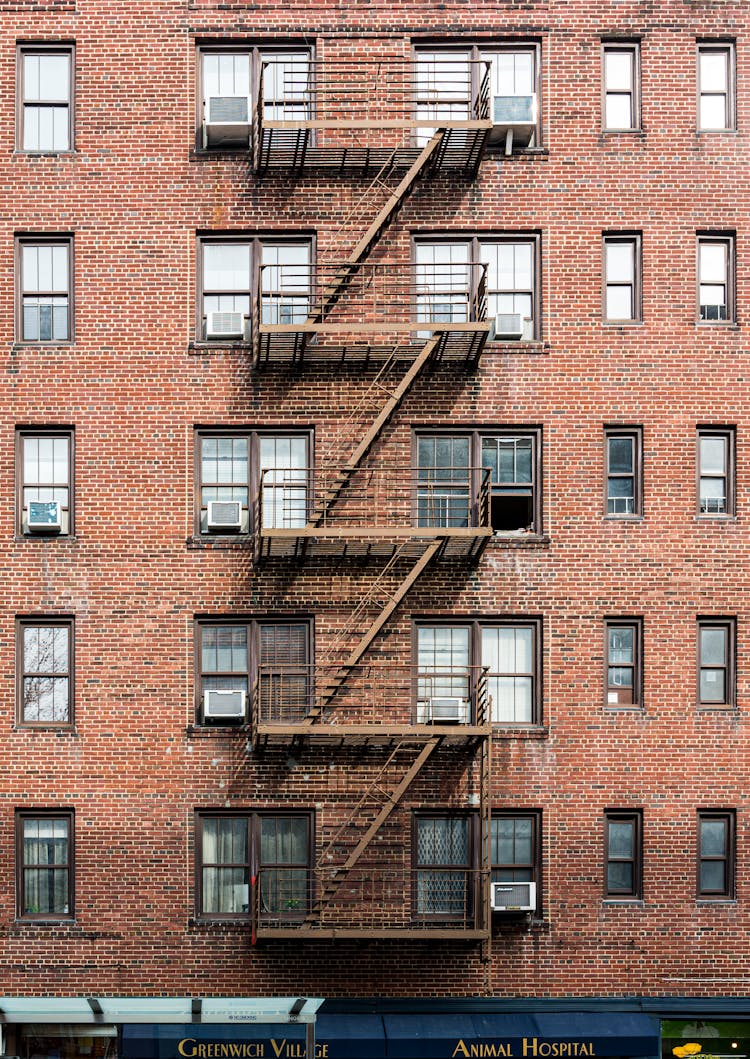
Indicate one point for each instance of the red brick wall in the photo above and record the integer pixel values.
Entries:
(134, 195)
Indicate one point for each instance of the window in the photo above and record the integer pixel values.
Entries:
(45, 671)
(44, 858)
(227, 265)
(233, 658)
(515, 847)
(715, 278)
(451, 657)
(45, 94)
(254, 865)
(622, 108)
(450, 473)
(622, 271)
(623, 662)
(448, 270)
(44, 481)
(443, 857)
(623, 455)
(228, 77)
(623, 837)
(716, 854)
(716, 471)
(716, 649)
(44, 270)
(448, 79)
(232, 466)
(716, 103)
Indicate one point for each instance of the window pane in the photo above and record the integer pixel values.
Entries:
(621, 839)
(713, 263)
(713, 646)
(620, 303)
(621, 455)
(712, 877)
(226, 266)
(713, 455)
(620, 877)
(620, 262)
(713, 685)
(619, 70)
(713, 71)
(713, 112)
(621, 645)
(619, 113)
(54, 78)
(713, 838)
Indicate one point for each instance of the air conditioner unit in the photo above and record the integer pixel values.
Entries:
(44, 516)
(444, 710)
(227, 121)
(513, 896)
(223, 705)
(225, 325)
(513, 120)
(508, 327)
(224, 515)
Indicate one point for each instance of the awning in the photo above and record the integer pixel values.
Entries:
(179, 1009)
(573, 1035)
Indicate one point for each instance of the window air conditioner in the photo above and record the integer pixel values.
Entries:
(224, 515)
(508, 326)
(446, 710)
(223, 705)
(225, 325)
(44, 516)
(513, 896)
(227, 121)
(514, 120)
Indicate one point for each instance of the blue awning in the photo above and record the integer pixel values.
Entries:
(573, 1035)
(564, 1035)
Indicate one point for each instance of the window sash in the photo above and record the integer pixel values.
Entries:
(620, 88)
(622, 855)
(514, 853)
(622, 458)
(715, 274)
(622, 278)
(44, 845)
(45, 100)
(715, 88)
(45, 672)
(623, 663)
(715, 459)
(44, 473)
(716, 662)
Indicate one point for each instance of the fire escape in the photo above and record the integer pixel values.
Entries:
(399, 129)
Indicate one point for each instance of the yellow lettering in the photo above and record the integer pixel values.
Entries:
(183, 1048)
(278, 1048)
(460, 1049)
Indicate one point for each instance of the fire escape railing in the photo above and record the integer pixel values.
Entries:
(361, 113)
(286, 694)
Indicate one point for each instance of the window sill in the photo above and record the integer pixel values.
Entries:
(623, 902)
(62, 921)
(715, 518)
(722, 708)
(208, 731)
(640, 133)
(200, 153)
(717, 325)
(619, 325)
(19, 537)
(59, 730)
(520, 540)
(717, 902)
(511, 731)
(70, 153)
(623, 518)
(18, 347)
(196, 348)
(219, 542)
(716, 132)
(610, 707)
(197, 923)
(535, 345)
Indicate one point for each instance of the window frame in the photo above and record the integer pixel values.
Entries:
(535, 866)
(22, 240)
(635, 818)
(635, 434)
(24, 49)
(729, 860)
(255, 241)
(475, 436)
(729, 435)
(632, 48)
(21, 815)
(635, 240)
(728, 47)
(475, 627)
(44, 621)
(252, 626)
(253, 819)
(254, 436)
(636, 624)
(729, 669)
(255, 52)
(23, 433)
(472, 903)
(474, 239)
(727, 239)
(475, 51)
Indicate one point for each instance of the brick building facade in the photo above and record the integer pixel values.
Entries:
(375, 474)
